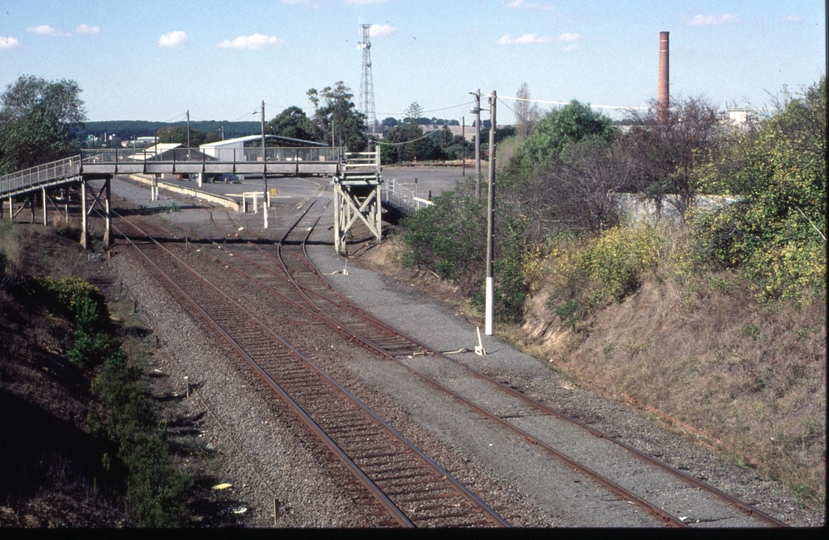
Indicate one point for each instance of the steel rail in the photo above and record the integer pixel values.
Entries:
(471, 497)
(390, 507)
(740, 505)
(316, 312)
(743, 507)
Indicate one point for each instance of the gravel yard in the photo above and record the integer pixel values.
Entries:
(267, 455)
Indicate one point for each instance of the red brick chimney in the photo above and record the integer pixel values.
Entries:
(663, 96)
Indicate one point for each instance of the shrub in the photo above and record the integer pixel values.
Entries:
(65, 296)
(9, 248)
(92, 343)
(449, 238)
(156, 495)
(775, 233)
(589, 273)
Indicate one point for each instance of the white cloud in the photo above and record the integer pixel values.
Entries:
(525, 39)
(792, 18)
(174, 39)
(533, 38)
(255, 41)
(521, 4)
(46, 30)
(572, 48)
(8, 43)
(711, 20)
(379, 30)
(86, 29)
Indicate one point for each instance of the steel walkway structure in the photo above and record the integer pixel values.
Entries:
(354, 174)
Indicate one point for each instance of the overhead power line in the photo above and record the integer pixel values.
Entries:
(408, 142)
(466, 104)
(617, 107)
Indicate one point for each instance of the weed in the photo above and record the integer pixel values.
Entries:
(720, 284)
(751, 331)
(569, 313)
(156, 494)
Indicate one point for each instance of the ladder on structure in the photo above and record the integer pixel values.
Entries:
(357, 196)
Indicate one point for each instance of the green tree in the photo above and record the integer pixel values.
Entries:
(295, 124)
(413, 113)
(776, 230)
(61, 98)
(562, 127)
(37, 118)
(337, 117)
(406, 142)
(178, 134)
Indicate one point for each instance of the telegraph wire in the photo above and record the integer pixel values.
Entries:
(377, 141)
(432, 110)
(616, 107)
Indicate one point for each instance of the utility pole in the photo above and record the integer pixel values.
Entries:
(477, 110)
(188, 135)
(490, 218)
(264, 169)
(463, 146)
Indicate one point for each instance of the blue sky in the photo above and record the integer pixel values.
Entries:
(151, 60)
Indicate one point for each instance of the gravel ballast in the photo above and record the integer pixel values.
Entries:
(267, 454)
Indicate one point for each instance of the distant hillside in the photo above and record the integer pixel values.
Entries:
(126, 129)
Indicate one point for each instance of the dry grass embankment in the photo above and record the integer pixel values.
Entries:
(698, 354)
(696, 350)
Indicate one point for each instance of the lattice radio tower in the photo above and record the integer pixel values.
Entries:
(366, 83)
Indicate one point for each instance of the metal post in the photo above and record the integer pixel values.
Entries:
(490, 218)
(84, 238)
(188, 135)
(264, 169)
(463, 146)
(43, 198)
(477, 144)
(337, 217)
(107, 212)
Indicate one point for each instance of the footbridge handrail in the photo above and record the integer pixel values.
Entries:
(107, 162)
(40, 175)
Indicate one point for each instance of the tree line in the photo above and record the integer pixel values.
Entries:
(45, 120)
(569, 166)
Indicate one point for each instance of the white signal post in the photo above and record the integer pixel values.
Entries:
(265, 198)
(490, 218)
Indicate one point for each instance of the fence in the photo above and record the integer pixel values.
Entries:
(400, 198)
(220, 154)
(40, 175)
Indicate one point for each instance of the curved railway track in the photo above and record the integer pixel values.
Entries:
(404, 483)
(366, 329)
(290, 275)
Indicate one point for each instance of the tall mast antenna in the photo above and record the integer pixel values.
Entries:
(366, 83)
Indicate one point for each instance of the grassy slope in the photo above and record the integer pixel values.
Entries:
(747, 379)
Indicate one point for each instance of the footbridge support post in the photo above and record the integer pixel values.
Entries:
(357, 196)
(98, 199)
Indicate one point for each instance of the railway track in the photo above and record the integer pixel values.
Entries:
(405, 485)
(302, 284)
(664, 483)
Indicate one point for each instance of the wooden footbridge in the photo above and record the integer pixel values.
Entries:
(356, 180)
